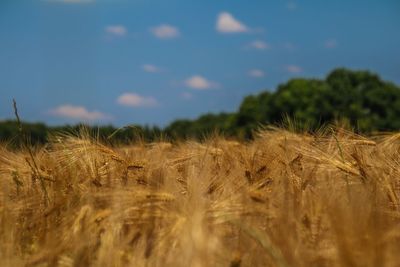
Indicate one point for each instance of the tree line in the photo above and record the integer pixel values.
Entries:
(360, 98)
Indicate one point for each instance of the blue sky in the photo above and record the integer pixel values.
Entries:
(153, 61)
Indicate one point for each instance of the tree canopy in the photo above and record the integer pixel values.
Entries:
(362, 98)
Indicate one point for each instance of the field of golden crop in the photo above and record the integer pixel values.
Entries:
(284, 199)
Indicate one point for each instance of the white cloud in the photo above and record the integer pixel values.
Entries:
(291, 5)
(289, 46)
(165, 31)
(259, 45)
(331, 43)
(117, 30)
(71, 1)
(135, 100)
(294, 69)
(198, 82)
(256, 73)
(150, 68)
(78, 112)
(186, 95)
(226, 23)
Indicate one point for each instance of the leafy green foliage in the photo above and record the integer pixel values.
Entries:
(359, 97)
(202, 127)
(362, 98)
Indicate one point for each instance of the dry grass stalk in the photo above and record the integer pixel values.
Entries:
(284, 199)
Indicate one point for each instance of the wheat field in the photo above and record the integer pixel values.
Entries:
(284, 199)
